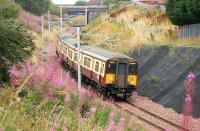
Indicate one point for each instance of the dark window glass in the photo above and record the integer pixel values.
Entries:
(111, 67)
(97, 66)
(133, 68)
(122, 68)
(75, 57)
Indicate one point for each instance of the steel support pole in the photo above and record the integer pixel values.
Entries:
(42, 26)
(79, 60)
(61, 19)
(86, 16)
(49, 21)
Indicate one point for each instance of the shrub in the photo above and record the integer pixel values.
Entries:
(37, 7)
(182, 12)
(8, 9)
(15, 45)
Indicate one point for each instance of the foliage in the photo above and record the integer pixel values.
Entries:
(32, 99)
(73, 102)
(117, 118)
(102, 116)
(127, 29)
(54, 10)
(37, 7)
(8, 9)
(108, 2)
(15, 45)
(153, 78)
(182, 12)
(81, 3)
(85, 108)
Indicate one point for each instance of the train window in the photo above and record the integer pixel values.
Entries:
(111, 67)
(70, 54)
(88, 62)
(85, 61)
(97, 66)
(75, 56)
(62, 48)
(65, 51)
(132, 68)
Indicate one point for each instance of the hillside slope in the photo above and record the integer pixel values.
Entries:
(134, 26)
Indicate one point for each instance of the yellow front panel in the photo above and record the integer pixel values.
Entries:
(132, 80)
(110, 78)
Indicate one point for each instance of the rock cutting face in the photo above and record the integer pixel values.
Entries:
(162, 72)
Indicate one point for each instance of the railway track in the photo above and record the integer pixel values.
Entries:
(149, 117)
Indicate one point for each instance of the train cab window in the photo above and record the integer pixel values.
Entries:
(111, 67)
(97, 65)
(133, 68)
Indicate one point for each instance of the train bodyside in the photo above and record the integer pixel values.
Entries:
(114, 73)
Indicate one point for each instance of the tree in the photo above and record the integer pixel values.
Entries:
(182, 12)
(81, 3)
(54, 10)
(37, 7)
(108, 2)
(8, 9)
(15, 46)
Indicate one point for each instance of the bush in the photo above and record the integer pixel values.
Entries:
(182, 12)
(15, 46)
(8, 9)
(37, 7)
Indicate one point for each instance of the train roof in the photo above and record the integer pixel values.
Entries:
(91, 50)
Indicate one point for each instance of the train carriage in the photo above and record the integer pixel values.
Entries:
(114, 73)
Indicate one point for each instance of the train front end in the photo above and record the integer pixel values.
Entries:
(121, 77)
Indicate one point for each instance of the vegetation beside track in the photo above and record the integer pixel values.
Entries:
(134, 27)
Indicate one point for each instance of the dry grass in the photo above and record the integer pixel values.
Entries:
(136, 25)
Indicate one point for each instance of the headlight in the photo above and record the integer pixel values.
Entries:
(110, 78)
(132, 80)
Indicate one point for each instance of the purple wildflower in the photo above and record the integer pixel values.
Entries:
(93, 109)
(14, 74)
(190, 76)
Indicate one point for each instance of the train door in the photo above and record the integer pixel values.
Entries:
(121, 74)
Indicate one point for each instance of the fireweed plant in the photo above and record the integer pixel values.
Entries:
(189, 84)
(44, 97)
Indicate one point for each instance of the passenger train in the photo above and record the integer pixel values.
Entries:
(112, 73)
